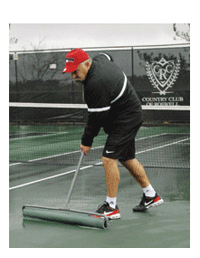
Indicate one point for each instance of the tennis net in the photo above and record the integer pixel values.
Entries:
(50, 134)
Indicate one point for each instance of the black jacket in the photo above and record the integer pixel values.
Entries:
(112, 101)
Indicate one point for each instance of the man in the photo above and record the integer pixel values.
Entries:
(112, 104)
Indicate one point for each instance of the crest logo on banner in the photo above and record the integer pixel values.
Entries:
(163, 74)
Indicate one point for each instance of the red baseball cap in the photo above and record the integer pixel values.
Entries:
(73, 59)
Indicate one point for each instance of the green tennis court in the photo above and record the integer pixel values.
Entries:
(42, 163)
(47, 115)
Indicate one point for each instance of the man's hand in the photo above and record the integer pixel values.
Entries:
(85, 149)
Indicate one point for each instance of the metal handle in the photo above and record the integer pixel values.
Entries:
(74, 179)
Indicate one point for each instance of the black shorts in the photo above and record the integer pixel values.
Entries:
(121, 146)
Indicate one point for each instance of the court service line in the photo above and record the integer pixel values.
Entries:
(86, 167)
(14, 164)
(162, 146)
(36, 136)
(152, 136)
(48, 178)
(52, 156)
(68, 153)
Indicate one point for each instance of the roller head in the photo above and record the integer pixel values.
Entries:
(66, 216)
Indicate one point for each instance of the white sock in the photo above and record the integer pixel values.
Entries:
(112, 201)
(149, 191)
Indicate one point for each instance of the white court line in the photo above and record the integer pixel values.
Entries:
(152, 136)
(48, 178)
(162, 146)
(52, 156)
(67, 153)
(35, 136)
(72, 171)
(14, 164)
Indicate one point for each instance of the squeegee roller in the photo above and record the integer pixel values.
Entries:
(66, 216)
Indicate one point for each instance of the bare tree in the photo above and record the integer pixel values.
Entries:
(182, 31)
(12, 40)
